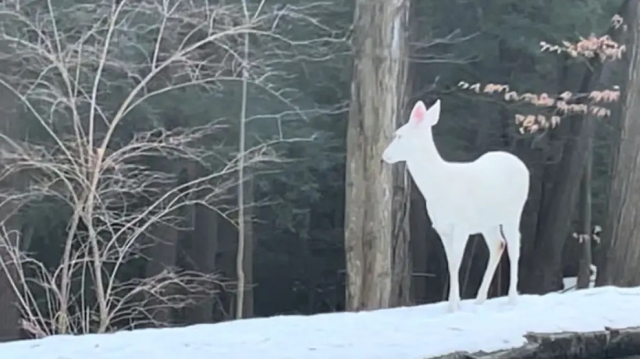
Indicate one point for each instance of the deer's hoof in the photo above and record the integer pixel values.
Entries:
(453, 307)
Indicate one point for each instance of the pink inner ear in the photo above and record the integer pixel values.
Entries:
(418, 113)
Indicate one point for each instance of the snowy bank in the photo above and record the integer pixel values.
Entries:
(402, 333)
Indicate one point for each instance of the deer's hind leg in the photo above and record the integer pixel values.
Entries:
(495, 243)
(511, 232)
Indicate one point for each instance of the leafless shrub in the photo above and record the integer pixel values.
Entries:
(81, 71)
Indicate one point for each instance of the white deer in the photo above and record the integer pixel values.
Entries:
(486, 196)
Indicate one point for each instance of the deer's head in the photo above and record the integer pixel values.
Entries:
(407, 139)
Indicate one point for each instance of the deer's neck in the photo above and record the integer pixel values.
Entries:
(428, 169)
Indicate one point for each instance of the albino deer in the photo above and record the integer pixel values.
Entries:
(486, 196)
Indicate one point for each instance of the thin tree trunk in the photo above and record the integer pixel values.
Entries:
(401, 202)
(9, 126)
(374, 257)
(226, 266)
(622, 230)
(240, 257)
(310, 268)
(400, 258)
(418, 223)
(204, 244)
(584, 267)
(249, 239)
(227, 255)
(163, 255)
(9, 311)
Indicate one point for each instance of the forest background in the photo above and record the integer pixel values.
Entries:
(136, 135)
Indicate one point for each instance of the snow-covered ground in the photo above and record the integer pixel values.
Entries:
(402, 333)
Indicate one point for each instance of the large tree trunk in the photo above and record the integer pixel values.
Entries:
(622, 230)
(544, 265)
(373, 255)
(543, 260)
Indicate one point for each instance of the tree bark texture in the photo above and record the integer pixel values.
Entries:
(418, 219)
(622, 228)
(9, 126)
(419, 226)
(373, 256)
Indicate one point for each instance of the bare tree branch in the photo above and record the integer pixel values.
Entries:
(84, 72)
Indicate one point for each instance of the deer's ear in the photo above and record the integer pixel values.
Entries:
(418, 114)
(433, 114)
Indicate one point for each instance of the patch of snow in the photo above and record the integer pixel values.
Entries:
(401, 333)
(571, 283)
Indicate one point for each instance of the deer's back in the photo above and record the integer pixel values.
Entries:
(479, 194)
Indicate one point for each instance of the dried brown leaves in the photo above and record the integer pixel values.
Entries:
(566, 103)
(604, 47)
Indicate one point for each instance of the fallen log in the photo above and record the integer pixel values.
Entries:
(609, 343)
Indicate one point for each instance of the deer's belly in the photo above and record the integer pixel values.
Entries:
(464, 217)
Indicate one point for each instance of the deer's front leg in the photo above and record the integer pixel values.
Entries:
(454, 242)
